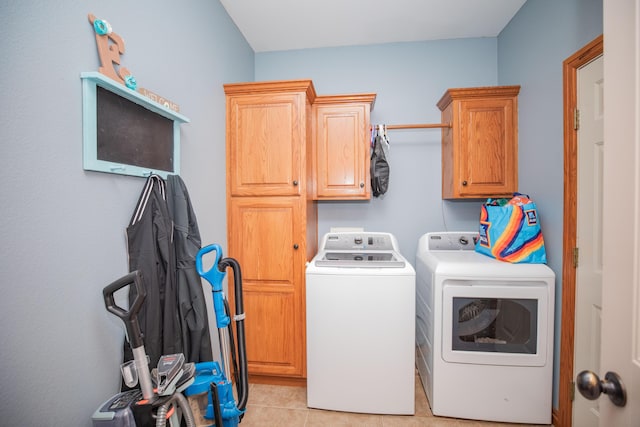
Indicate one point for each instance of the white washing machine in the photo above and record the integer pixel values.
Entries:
(360, 294)
(484, 332)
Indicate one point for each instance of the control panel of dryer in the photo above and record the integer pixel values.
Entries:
(452, 241)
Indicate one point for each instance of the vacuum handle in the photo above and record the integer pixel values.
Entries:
(214, 276)
(129, 317)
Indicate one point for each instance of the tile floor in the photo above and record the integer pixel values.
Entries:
(282, 406)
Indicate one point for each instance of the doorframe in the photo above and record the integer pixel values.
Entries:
(563, 416)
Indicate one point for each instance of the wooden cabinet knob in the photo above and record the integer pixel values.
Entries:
(295, 182)
(464, 182)
(295, 246)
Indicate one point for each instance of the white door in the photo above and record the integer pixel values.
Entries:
(589, 233)
(621, 212)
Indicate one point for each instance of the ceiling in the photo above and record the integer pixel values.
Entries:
(272, 25)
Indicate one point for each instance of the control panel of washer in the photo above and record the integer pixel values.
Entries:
(361, 241)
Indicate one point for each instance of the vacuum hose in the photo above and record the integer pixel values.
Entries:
(182, 402)
(161, 415)
(186, 409)
(243, 383)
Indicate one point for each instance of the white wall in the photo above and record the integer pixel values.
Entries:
(62, 227)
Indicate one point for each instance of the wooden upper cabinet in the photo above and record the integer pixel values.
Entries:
(480, 150)
(266, 136)
(341, 141)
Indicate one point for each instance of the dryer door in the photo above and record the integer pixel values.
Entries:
(496, 323)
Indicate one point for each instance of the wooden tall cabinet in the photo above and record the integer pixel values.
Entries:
(480, 150)
(271, 219)
(341, 141)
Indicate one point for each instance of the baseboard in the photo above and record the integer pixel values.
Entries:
(276, 380)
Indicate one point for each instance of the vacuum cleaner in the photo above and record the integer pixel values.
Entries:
(159, 400)
(210, 378)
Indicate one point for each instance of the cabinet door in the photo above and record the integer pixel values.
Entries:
(266, 236)
(265, 136)
(342, 151)
(487, 147)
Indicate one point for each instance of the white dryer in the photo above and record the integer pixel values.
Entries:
(360, 298)
(484, 332)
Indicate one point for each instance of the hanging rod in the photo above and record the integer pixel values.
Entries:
(418, 126)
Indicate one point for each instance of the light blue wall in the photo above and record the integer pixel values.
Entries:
(531, 50)
(409, 79)
(63, 228)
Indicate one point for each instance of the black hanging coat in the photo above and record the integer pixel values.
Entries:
(151, 250)
(192, 309)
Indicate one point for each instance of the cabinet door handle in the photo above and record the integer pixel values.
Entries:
(295, 246)
(295, 182)
(464, 182)
(362, 185)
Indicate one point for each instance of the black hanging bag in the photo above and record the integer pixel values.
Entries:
(379, 166)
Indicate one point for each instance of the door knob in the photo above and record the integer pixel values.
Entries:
(295, 182)
(295, 246)
(590, 386)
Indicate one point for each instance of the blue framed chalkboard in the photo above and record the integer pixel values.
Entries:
(125, 132)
